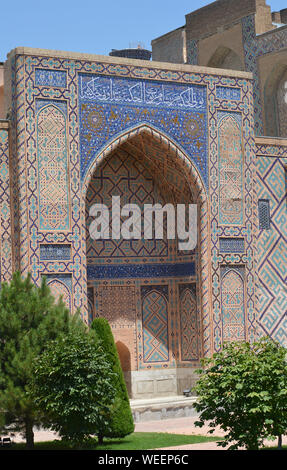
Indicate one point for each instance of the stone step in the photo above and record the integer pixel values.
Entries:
(156, 409)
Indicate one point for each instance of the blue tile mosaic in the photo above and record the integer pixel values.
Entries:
(50, 78)
(134, 271)
(227, 93)
(62, 105)
(110, 105)
(140, 92)
(63, 277)
(55, 252)
(231, 245)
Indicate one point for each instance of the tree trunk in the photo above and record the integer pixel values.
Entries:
(29, 434)
(280, 442)
(253, 446)
(100, 439)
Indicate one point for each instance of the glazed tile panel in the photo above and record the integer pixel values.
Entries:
(6, 265)
(179, 109)
(272, 244)
(52, 169)
(109, 105)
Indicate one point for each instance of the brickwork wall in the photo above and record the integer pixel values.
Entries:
(239, 35)
(208, 20)
(170, 48)
(272, 68)
(2, 112)
(231, 38)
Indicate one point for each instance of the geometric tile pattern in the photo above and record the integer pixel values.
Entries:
(189, 322)
(117, 305)
(55, 252)
(110, 105)
(53, 169)
(231, 245)
(227, 93)
(58, 290)
(122, 175)
(233, 305)
(240, 112)
(251, 52)
(230, 169)
(168, 165)
(6, 262)
(155, 324)
(61, 285)
(130, 174)
(126, 270)
(192, 51)
(50, 78)
(264, 214)
(272, 252)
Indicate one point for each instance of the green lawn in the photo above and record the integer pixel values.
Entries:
(135, 441)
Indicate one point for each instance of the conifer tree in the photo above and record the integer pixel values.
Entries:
(29, 319)
(121, 423)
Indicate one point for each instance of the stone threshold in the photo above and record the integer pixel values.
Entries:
(160, 408)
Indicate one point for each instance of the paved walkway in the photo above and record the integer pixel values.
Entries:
(186, 426)
(172, 426)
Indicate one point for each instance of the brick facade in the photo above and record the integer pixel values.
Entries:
(240, 36)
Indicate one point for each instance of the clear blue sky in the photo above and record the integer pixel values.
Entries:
(92, 26)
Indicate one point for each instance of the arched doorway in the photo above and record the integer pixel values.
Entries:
(150, 291)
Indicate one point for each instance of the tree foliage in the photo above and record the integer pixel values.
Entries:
(243, 389)
(122, 422)
(73, 385)
(29, 319)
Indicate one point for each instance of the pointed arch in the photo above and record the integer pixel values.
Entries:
(225, 58)
(193, 177)
(167, 142)
(59, 289)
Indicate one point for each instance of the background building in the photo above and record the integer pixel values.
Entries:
(237, 35)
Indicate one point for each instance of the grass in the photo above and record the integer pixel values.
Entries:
(135, 441)
(274, 448)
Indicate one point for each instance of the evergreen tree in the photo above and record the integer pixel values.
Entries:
(121, 423)
(72, 384)
(29, 319)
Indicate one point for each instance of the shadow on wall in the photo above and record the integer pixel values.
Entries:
(225, 58)
(125, 358)
(275, 102)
